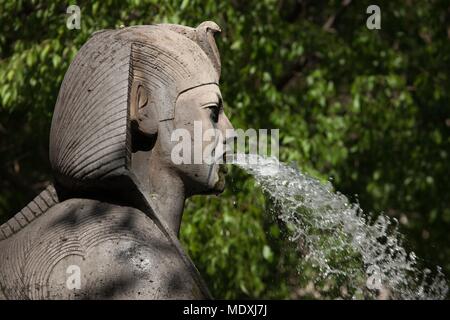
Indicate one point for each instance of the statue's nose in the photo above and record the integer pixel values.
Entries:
(230, 137)
(227, 124)
(228, 130)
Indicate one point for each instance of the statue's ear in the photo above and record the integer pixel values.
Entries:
(143, 114)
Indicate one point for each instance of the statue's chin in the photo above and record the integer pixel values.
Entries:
(220, 184)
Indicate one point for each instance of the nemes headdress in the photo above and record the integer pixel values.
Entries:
(90, 136)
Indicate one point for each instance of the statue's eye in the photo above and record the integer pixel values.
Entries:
(215, 110)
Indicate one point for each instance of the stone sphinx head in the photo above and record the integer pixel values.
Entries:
(122, 97)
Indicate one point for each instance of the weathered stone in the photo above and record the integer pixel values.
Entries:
(113, 214)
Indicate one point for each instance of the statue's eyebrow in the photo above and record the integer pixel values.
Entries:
(211, 98)
(219, 98)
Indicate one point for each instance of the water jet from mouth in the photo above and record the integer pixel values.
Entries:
(339, 240)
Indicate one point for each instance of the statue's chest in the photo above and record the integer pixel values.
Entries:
(93, 254)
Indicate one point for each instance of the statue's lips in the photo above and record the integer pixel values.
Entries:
(222, 160)
(223, 169)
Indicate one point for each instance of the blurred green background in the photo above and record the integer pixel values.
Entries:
(369, 109)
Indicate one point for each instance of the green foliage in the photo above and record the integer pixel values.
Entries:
(369, 108)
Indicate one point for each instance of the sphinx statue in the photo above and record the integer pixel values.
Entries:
(112, 215)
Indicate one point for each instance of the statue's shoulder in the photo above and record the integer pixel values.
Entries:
(124, 252)
(79, 208)
(105, 220)
(43, 216)
(115, 251)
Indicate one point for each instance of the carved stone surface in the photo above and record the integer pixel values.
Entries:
(114, 210)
